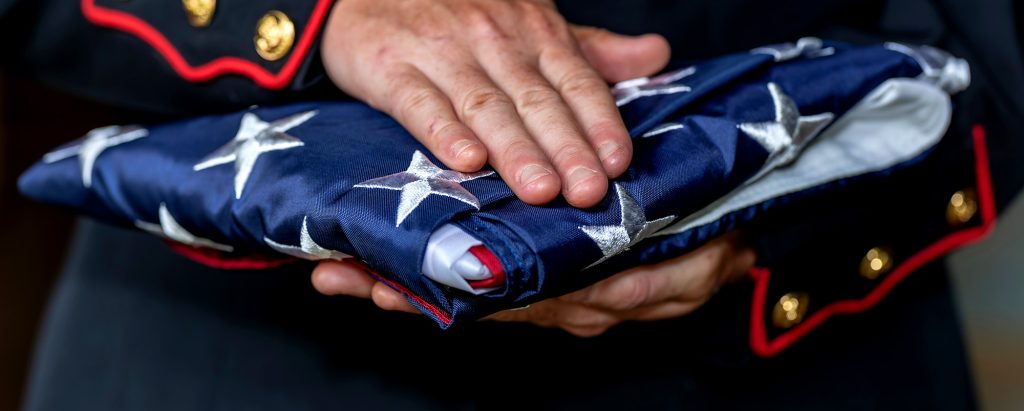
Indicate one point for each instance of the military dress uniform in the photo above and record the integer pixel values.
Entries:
(850, 306)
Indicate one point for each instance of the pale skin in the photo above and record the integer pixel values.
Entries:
(511, 84)
(669, 289)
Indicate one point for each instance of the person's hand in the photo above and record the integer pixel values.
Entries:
(507, 82)
(653, 292)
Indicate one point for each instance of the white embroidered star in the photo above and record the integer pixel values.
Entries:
(170, 229)
(632, 228)
(789, 128)
(307, 248)
(629, 90)
(422, 179)
(94, 143)
(807, 46)
(254, 137)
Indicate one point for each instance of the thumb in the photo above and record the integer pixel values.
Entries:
(618, 57)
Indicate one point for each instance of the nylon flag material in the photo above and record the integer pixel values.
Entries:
(715, 144)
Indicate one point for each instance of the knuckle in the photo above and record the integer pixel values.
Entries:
(431, 27)
(536, 99)
(532, 10)
(518, 152)
(539, 18)
(481, 99)
(517, 148)
(412, 101)
(570, 152)
(397, 85)
(480, 22)
(587, 319)
(609, 130)
(582, 82)
(436, 132)
(633, 293)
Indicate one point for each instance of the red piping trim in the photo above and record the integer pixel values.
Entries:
(764, 347)
(122, 21)
(489, 260)
(216, 259)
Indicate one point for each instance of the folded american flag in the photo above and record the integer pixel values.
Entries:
(715, 144)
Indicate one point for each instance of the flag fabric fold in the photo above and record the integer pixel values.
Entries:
(333, 180)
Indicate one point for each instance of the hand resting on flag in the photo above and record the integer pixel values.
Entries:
(507, 82)
(511, 83)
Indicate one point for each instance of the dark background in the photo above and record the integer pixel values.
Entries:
(33, 237)
(33, 119)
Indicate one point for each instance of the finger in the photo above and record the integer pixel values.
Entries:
(741, 263)
(691, 277)
(586, 332)
(551, 123)
(663, 311)
(619, 58)
(680, 279)
(555, 313)
(490, 113)
(587, 95)
(342, 278)
(391, 300)
(581, 320)
(413, 100)
(621, 292)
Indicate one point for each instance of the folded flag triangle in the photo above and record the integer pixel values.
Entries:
(716, 143)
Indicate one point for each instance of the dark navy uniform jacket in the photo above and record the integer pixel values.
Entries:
(135, 326)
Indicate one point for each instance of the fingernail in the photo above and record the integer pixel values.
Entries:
(531, 173)
(607, 150)
(579, 175)
(461, 147)
(609, 154)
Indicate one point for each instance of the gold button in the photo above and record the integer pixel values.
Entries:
(275, 34)
(200, 12)
(790, 310)
(876, 262)
(963, 205)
